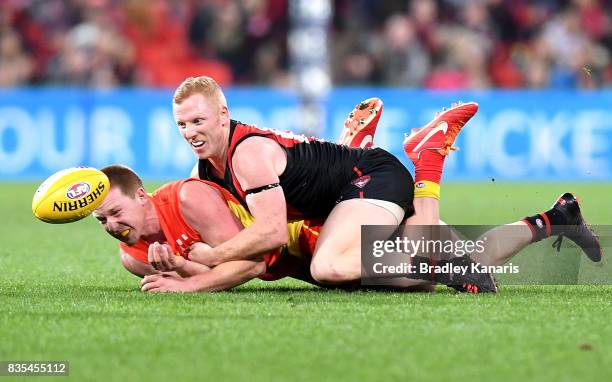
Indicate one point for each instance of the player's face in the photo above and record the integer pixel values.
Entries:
(204, 125)
(121, 216)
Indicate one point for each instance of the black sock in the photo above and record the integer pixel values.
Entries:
(545, 224)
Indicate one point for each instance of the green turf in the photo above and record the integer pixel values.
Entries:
(64, 296)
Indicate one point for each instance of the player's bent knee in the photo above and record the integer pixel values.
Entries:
(326, 272)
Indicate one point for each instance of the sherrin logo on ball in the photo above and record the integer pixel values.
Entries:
(70, 195)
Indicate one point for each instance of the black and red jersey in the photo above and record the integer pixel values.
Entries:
(316, 172)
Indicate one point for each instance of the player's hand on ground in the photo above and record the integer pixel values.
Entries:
(162, 258)
(202, 253)
(163, 282)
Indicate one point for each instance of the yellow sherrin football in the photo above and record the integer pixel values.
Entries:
(70, 195)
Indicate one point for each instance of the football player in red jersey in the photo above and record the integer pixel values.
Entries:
(156, 232)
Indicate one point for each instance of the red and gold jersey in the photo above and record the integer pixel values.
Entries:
(180, 235)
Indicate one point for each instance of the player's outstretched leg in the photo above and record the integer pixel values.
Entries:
(360, 125)
(427, 148)
(562, 219)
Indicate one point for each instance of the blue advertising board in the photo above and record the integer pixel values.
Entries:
(518, 135)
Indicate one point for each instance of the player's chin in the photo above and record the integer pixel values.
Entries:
(130, 239)
(201, 154)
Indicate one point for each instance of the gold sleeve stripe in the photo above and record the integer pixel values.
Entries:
(293, 245)
(241, 213)
(312, 231)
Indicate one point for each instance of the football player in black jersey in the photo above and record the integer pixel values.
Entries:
(280, 176)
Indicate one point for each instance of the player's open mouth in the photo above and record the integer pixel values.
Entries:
(125, 232)
(197, 144)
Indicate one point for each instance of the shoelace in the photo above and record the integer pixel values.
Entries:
(557, 243)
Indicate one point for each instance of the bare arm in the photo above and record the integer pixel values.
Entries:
(194, 277)
(162, 258)
(191, 276)
(222, 277)
(191, 268)
(257, 162)
(134, 266)
(141, 269)
(226, 276)
(206, 211)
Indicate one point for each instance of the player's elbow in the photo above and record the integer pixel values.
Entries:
(134, 267)
(257, 270)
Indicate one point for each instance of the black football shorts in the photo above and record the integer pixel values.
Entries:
(380, 175)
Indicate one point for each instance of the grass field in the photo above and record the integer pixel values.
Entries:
(64, 296)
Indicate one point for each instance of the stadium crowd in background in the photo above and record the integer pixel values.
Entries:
(450, 44)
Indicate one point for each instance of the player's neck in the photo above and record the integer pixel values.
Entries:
(217, 167)
(219, 161)
(152, 231)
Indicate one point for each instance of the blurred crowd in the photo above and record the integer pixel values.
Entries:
(107, 43)
(449, 44)
(453, 44)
